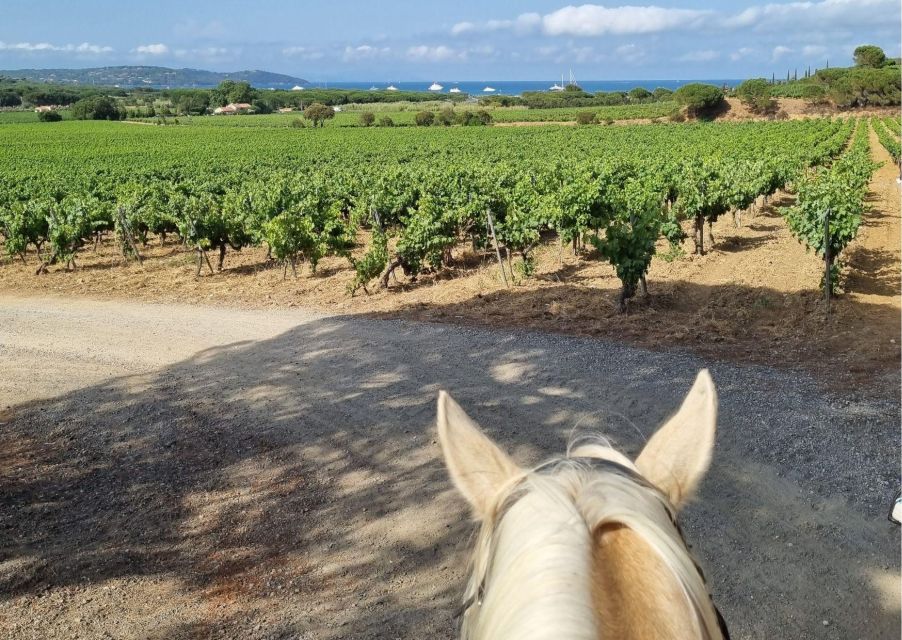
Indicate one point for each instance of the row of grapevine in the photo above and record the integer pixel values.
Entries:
(830, 203)
(889, 140)
(619, 199)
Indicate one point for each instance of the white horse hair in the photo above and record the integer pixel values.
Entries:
(557, 541)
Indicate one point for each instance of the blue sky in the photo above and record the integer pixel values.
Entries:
(459, 40)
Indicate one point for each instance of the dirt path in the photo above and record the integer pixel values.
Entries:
(172, 471)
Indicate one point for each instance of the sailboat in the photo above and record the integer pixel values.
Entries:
(391, 87)
(561, 87)
(374, 88)
(489, 90)
(436, 87)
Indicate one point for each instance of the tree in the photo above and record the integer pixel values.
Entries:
(662, 94)
(755, 94)
(230, 91)
(96, 108)
(318, 113)
(424, 118)
(49, 116)
(386, 121)
(640, 94)
(869, 55)
(367, 118)
(699, 99)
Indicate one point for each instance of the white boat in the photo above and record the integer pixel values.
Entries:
(454, 90)
(391, 87)
(374, 88)
(489, 90)
(556, 87)
(297, 87)
(436, 87)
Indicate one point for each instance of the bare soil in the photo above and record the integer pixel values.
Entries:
(175, 472)
(753, 298)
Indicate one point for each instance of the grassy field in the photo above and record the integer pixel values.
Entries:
(25, 117)
(404, 115)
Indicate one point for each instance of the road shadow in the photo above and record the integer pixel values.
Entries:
(292, 487)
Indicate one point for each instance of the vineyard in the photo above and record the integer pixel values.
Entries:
(610, 194)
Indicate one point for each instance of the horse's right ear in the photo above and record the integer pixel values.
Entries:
(478, 468)
(679, 454)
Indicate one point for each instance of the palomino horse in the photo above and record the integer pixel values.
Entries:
(586, 546)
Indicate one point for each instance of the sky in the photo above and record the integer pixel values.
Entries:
(396, 40)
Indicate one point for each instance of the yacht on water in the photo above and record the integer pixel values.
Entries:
(561, 87)
(391, 87)
(454, 90)
(489, 90)
(436, 87)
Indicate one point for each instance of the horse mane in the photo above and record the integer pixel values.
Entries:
(534, 551)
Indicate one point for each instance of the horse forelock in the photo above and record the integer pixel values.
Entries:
(532, 570)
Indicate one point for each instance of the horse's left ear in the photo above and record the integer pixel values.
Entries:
(478, 467)
(679, 454)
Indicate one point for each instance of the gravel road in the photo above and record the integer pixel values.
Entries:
(193, 472)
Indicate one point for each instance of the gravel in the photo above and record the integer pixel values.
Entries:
(181, 472)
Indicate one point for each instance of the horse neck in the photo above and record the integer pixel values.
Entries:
(536, 567)
(560, 565)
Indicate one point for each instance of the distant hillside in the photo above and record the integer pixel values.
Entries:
(157, 77)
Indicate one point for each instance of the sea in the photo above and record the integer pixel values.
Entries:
(518, 87)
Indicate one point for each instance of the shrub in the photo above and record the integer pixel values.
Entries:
(677, 116)
(699, 99)
(298, 123)
(318, 113)
(756, 95)
(586, 117)
(367, 118)
(386, 121)
(474, 118)
(445, 117)
(49, 116)
(424, 118)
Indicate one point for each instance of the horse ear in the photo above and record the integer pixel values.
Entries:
(478, 468)
(678, 455)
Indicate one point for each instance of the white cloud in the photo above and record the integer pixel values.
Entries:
(824, 14)
(597, 20)
(439, 53)
(462, 27)
(742, 52)
(365, 52)
(304, 53)
(85, 48)
(706, 55)
(594, 20)
(812, 50)
(158, 49)
(779, 52)
(629, 53)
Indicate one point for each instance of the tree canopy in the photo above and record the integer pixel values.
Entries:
(869, 55)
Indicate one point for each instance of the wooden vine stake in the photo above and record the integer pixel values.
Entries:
(828, 285)
(488, 215)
